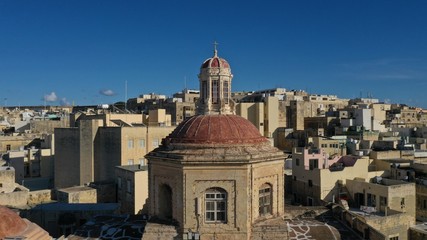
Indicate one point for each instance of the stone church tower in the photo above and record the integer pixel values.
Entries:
(215, 175)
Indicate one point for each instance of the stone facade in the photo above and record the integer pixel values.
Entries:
(11, 193)
(132, 188)
(421, 204)
(239, 171)
(215, 175)
(90, 152)
(385, 195)
(312, 106)
(8, 143)
(39, 197)
(77, 195)
(318, 179)
(268, 115)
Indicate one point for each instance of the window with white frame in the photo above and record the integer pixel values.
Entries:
(141, 143)
(215, 91)
(216, 205)
(155, 142)
(130, 143)
(130, 162)
(225, 91)
(142, 161)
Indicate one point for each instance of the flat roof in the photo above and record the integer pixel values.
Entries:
(133, 168)
(397, 160)
(422, 228)
(76, 189)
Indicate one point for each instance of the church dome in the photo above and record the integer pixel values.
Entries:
(215, 62)
(11, 223)
(216, 129)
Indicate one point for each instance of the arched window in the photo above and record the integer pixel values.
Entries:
(265, 199)
(215, 91)
(204, 91)
(216, 205)
(165, 201)
(225, 91)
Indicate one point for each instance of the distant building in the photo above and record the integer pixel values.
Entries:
(9, 143)
(386, 205)
(312, 106)
(319, 178)
(34, 167)
(180, 107)
(89, 153)
(132, 188)
(11, 193)
(188, 95)
(332, 146)
(78, 194)
(268, 115)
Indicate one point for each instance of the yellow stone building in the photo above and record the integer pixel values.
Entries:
(215, 175)
(91, 151)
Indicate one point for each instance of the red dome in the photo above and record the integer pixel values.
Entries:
(215, 129)
(215, 62)
(11, 223)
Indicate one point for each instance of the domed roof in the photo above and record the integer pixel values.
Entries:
(215, 62)
(215, 129)
(11, 223)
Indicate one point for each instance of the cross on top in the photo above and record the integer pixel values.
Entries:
(215, 45)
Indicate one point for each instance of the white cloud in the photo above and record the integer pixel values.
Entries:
(64, 102)
(50, 97)
(107, 92)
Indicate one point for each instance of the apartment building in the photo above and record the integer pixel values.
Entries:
(132, 188)
(319, 178)
(90, 152)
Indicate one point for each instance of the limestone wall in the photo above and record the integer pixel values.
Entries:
(392, 226)
(254, 112)
(14, 199)
(67, 156)
(400, 197)
(421, 208)
(38, 197)
(48, 126)
(108, 148)
(392, 154)
(7, 179)
(86, 195)
(154, 231)
(376, 227)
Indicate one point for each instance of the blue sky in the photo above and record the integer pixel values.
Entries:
(83, 52)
